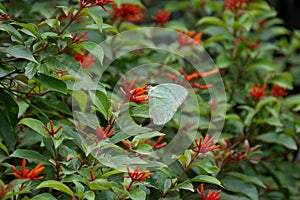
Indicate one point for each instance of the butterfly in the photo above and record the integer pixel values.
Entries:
(164, 100)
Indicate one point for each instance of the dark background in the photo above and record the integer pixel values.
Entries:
(289, 11)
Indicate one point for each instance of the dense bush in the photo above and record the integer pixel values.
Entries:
(94, 105)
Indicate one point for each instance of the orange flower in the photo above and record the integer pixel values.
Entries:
(85, 60)
(278, 92)
(187, 39)
(156, 145)
(212, 195)
(137, 95)
(235, 5)
(257, 91)
(24, 173)
(52, 132)
(161, 17)
(127, 12)
(205, 146)
(102, 133)
(136, 176)
(93, 177)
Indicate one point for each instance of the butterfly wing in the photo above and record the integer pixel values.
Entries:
(164, 100)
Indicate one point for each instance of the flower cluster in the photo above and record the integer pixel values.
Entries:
(136, 176)
(92, 177)
(156, 144)
(189, 38)
(204, 146)
(161, 17)
(77, 40)
(103, 133)
(25, 173)
(137, 95)
(212, 195)
(258, 92)
(52, 132)
(127, 12)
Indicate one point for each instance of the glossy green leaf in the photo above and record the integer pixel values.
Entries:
(100, 184)
(30, 155)
(94, 49)
(278, 138)
(57, 186)
(7, 131)
(35, 125)
(212, 20)
(102, 102)
(247, 179)
(6, 70)
(137, 194)
(97, 19)
(12, 31)
(183, 186)
(52, 83)
(18, 51)
(44, 196)
(32, 28)
(176, 25)
(206, 179)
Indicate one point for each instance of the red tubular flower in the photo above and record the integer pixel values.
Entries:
(103, 133)
(78, 40)
(212, 195)
(161, 17)
(205, 146)
(136, 176)
(137, 95)
(156, 145)
(85, 60)
(52, 132)
(235, 5)
(24, 173)
(257, 91)
(187, 39)
(93, 177)
(278, 92)
(127, 12)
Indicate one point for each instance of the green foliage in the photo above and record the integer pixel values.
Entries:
(53, 66)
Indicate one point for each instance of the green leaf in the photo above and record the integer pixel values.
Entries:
(279, 138)
(283, 80)
(206, 179)
(7, 131)
(206, 165)
(35, 125)
(100, 184)
(30, 155)
(239, 186)
(291, 101)
(183, 186)
(94, 49)
(32, 28)
(12, 31)
(97, 19)
(145, 136)
(43, 196)
(176, 25)
(6, 70)
(212, 20)
(137, 194)
(57, 186)
(247, 179)
(10, 106)
(261, 63)
(81, 99)
(265, 101)
(52, 83)
(18, 51)
(102, 102)
(105, 27)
